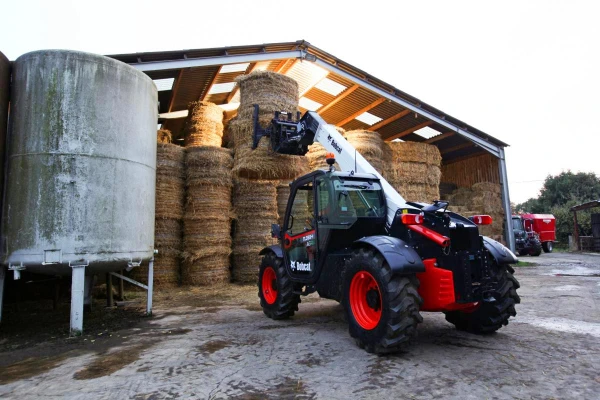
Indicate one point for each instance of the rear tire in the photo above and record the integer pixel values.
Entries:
(548, 247)
(491, 315)
(382, 309)
(275, 289)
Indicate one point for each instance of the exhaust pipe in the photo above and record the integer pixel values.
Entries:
(443, 241)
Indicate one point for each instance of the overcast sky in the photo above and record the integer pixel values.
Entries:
(526, 72)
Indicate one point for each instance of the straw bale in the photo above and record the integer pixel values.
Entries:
(246, 261)
(170, 193)
(415, 152)
(165, 271)
(316, 158)
(204, 125)
(262, 162)
(270, 90)
(487, 187)
(206, 270)
(164, 136)
(283, 193)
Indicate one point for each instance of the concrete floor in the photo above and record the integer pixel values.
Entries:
(229, 349)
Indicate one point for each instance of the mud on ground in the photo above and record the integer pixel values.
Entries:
(216, 343)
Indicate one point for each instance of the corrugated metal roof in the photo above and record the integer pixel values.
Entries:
(193, 83)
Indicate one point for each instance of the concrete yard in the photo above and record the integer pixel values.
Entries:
(217, 343)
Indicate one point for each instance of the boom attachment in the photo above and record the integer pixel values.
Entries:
(285, 133)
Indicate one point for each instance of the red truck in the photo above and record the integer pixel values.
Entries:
(542, 225)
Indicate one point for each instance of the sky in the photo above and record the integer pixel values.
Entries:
(525, 72)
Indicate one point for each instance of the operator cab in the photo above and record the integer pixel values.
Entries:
(326, 213)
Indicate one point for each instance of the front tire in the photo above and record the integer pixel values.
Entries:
(275, 289)
(491, 315)
(382, 309)
(548, 247)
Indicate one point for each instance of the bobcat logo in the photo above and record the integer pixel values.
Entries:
(299, 266)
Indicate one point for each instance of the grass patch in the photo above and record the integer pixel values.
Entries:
(526, 264)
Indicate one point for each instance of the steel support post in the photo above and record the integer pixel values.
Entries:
(2, 278)
(109, 291)
(508, 232)
(150, 286)
(77, 292)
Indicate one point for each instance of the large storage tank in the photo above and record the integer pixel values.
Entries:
(4, 92)
(81, 163)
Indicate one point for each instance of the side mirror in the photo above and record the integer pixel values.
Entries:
(276, 231)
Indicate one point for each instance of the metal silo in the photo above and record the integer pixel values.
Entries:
(80, 188)
(4, 96)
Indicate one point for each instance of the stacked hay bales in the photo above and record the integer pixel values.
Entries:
(283, 193)
(316, 154)
(207, 220)
(481, 198)
(257, 172)
(170, 195)
(415, 171)
(255, 205)
(370, 145)
(204, 125)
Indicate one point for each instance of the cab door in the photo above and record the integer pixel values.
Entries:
(299, 232)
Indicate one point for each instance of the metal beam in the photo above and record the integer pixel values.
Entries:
(174, 114)
(389, 120)
(361, 111)
(210, 85)
(175, 89)
(508, 232)
(342, 96)
(212, 61)
(248, 70)
(490, 147)
(439, 137)
(409, 131)
(457, 147)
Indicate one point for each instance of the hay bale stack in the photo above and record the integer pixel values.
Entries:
(207, 219)
(283, 193)
(415, 170)
(255, 204)
(481, 198)
(170, 196)
(370, 145)
(272, 92)
(316, 154)
(204, 125)
(164, 136)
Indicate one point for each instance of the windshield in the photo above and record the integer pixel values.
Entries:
(362, 197)
(517, 224)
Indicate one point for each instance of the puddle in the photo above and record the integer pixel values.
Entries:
(564, 325)
(213, 346)
(107, 363)
(30, 367)
(575, 271)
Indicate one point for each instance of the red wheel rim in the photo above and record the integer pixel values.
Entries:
(364, 290)
(269, 288)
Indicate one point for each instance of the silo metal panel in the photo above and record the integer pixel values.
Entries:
(81, 162)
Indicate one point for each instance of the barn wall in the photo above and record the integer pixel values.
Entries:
(465, 173)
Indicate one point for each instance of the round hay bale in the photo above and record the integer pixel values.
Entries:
(255, 207)
(370, 145)
(164, 136)
(207, 218)
(283, 193)
(204, 125)
(262, 163)
(270, 90)
(170, 160)
(170, 185)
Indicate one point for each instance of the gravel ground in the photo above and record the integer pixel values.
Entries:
(217, 344)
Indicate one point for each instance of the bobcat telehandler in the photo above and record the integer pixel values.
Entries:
(351, 237)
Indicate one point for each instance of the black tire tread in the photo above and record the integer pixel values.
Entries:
(491, 316)
(287, 302)
(403, 306)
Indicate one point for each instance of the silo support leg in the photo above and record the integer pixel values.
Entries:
(150, 287)
(2, 276)
(77, 291)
